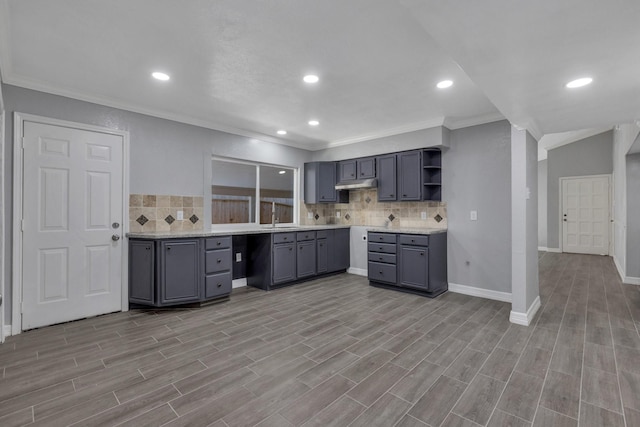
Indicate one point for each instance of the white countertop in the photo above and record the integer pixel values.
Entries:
(231, 231)
(407, 230)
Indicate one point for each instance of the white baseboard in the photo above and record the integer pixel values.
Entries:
(7, 330)
(239, 283)
(554, 250)
(479, 292)
(625, 279)
(358, 271)
(525, 318)
(543, 248)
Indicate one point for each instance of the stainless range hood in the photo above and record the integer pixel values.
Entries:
(355, 184)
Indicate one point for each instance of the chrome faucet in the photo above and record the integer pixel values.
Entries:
(273, 214)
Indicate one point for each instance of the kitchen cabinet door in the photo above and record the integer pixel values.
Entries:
(414, 267)
(284, 263)
(410, 176)
(387, 178)
(366, 168)
(347, 170)
(306, 258)
(322, 253)
(339, 243)
(327, 182)
(141, 272)
(180, 273)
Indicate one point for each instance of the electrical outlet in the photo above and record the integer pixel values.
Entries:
(238, 256)
(309, 215)
(337, 214)
(473, 215)
(423, 215)
(180, 215)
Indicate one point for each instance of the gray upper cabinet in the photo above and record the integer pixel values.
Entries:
(410, 175)
(366, 168)
(347, 170)
(387, 178)
(320, 182)
(179, 271)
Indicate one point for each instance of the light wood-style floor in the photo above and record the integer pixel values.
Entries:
(337, 352)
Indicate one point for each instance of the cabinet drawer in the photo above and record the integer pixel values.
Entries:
(284, 237)
(305, 235)
(382, 237)
(379, 272)
(322, 234)
(219, 260)
(380, 257)
(382, 247)
(217, 242)
(414, 239)
(217, 285)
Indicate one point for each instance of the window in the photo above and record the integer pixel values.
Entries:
(248, 193)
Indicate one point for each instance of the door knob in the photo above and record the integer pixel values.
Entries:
(115, 237)
(115, 225)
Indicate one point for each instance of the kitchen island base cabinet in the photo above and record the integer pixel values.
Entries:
(409, 262)
(179, 269)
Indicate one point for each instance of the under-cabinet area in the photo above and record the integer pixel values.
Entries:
(415, 263)
(172, 270)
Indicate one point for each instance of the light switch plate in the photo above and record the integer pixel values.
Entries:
(338, 214)
(180, 215)
(238, 256)
(473, 215)
(309, 215)
(423, 215)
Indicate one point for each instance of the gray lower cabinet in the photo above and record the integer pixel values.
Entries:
(179, 271)
(338, 242)
(141, 272)
(284, 262)
(322, 255)
(167, 272)
(410, 262)
(306, 258)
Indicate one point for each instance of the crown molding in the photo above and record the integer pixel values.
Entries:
(473, 121)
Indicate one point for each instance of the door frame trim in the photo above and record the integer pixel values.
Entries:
(560, 206)
(18, 189)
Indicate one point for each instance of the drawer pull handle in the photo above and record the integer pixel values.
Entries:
(380, 258)
(148, 248)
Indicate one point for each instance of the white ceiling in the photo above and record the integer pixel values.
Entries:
(237, 65)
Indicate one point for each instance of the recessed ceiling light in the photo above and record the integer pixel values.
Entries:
(282, 132)
(444, 84)
(314, 122)
(579, 82)
(160, 76)
(282, 172)
(311, 78)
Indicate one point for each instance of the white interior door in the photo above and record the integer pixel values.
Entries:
(72, 198)
(585, 215)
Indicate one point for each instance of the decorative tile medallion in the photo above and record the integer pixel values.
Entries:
(142, 220)
(438, 218)
(193, 218)
(391, 217)
(368, 199)
(316, 217)
(169, 219)
(347, 217)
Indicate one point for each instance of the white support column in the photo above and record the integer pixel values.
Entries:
(524, 227)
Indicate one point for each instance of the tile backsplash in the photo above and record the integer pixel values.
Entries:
(364, 209)
(150, 212)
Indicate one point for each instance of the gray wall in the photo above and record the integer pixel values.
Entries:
(589, 156)
(166, 157)
(533, 287)
(542, 203)
(435, 136)
(633, 219)
(477, 176)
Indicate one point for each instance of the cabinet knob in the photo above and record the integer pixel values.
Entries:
(412, 241)
(380, 272)
(379, 249)
(404, 195)
(322, 197)
(300, 247)
(148, 248)
(284, 238)
(219, 285)
(421, 253)
(218, 243)
(219, 260)
(290, 249)
(390, 195)
(380, 258)
(168, 248)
